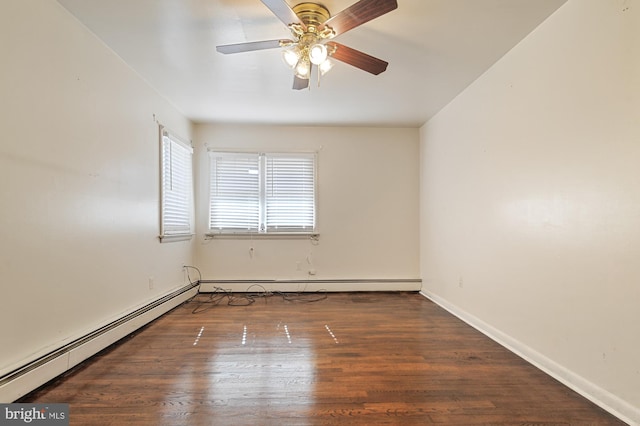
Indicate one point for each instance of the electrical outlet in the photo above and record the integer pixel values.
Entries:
(151, 283)
(461, 283)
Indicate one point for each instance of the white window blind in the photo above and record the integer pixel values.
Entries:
(262, 193)
(235, 194)
(290, 193)
(177, 187)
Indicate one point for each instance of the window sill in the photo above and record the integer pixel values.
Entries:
(175, 238)
(266, 236)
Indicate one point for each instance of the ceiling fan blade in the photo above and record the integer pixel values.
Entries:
(283, 11)
(300, 83)
(359, 13)
(356, 58)
(253, 45)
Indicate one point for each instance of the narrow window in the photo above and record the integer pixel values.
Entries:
(176, 203)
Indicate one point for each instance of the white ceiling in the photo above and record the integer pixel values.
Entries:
(435, 48)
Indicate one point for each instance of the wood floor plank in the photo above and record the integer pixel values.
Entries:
(352, 358)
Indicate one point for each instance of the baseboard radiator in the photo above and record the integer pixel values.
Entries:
(311, 285)
(37, 372)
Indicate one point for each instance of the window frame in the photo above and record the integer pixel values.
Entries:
(170, 232)
(261, 230)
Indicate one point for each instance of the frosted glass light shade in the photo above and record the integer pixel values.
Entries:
(318, 54)
(325, 67)
(291, 57)
(303, 69)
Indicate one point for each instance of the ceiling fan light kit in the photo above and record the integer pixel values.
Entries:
(312, 27)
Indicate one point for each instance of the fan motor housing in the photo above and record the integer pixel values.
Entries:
(312, 14)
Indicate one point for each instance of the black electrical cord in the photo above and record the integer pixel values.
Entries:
(248, 297)
(186, 268)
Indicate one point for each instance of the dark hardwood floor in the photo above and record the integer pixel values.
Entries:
(352, 358)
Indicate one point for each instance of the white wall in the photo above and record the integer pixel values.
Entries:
(367, 205)
(530, 211)
(79, 161)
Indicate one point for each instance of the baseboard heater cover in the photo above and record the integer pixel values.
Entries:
(312, 285)
(37, 372)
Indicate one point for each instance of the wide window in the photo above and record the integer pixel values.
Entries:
(265, 193)
(177, 188)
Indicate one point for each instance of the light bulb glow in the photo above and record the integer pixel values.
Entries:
(317, 54)
(325, 67)
(303, 69)
(291, 57)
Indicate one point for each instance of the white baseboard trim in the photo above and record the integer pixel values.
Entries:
(23, 380)
(599, 396)
(329, 285)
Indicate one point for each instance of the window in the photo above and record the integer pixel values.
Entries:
(268, 193)
(177, 188)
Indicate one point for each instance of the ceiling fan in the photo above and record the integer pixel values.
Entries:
(313, 28)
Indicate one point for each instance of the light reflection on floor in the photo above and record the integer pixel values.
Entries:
(272, 365)
(335, 339)
(195, 342)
